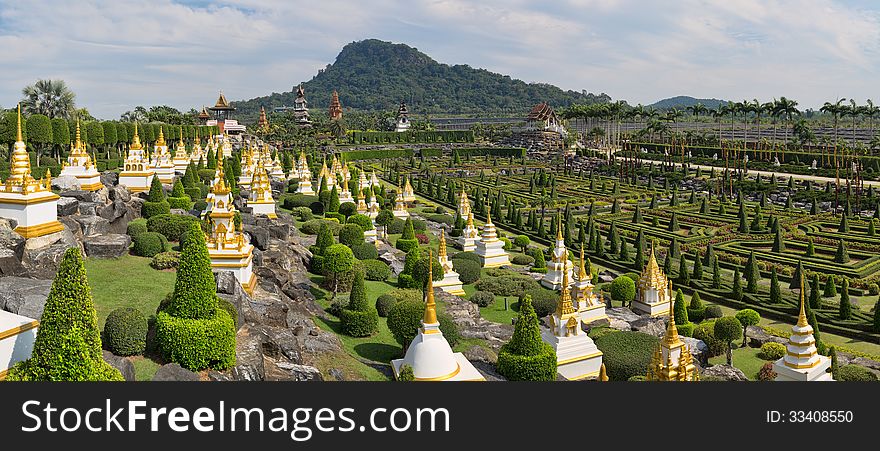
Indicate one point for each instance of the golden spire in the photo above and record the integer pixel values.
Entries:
(603, 376)
(78, 141)
(470, 221)
(671, 331)
(430, 305)
(558, 227)
(564, 307)
(653, 276)
(582, 274)
(441, 252)
(489, 215)
(161, 140)
(181, 143)
(21, 162)
(18, 137)
(136, 140)
(802, 317)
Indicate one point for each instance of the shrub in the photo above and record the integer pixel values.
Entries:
(873, 289)
(360, 319)
(230, 309)
(125, 332)
(363, 221)
(772, 350)
(406, 245)
(404, 319)
(375, 270)
(182, 203)
(314, 226)
(68, 344)
(317, 207)
(136, 227)
(727, 329)
(384, 304)
(766, 372)
(298, 200)
(713, 311)
(406, 374)
(522, 259)
(483, 298)
(396, 226)
(448, 328)
(468, 270)
(626, 354)
(165, 260)
(406, 281)
(148, 244)
(706, 331)
(526, 357)
(623, 290)
(543, 301)
(472, 256)
(338, 259)
(303, 213)
(150, 209)
(347, 209)
(172, 226)
(422, 238)
(855, 373)
(696, 311)
(351, 235)
(599, 332)
(334, 216)
(365, 251)
(686, 330)
(506, 284)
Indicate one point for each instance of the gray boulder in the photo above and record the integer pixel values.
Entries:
(698, 349)
(120, 363)
(725, 372)
(112, 211)
(10, 263)
(175, 373)
(249, 364)
(649, 325)
(111, 245)
(24, 296)
(66, 183)
(118, 193)
(478, 353)
(757, 337)
(621, 317)
(88, 208)
(68, 206)
(82, 196)
(109, 178)
(93, 225)
(259, 236)
(294, 372)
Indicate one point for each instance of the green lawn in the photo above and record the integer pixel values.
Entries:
(128, 281)
(144, 368)
(746, 359)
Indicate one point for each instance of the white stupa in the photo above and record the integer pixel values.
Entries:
(197, 153)
(162, 163)
(590, 307)
(228, 248)
(490, 249)
(181, 157)
(372, 205)
(802, 361)
(469, 235)
(400, 210)
(302, 167)
(409, 195)
(429, 355)
(653, 290)
(79, 164)
(226, 146)
(672, 360)
(247, 169)
(577, 357)
(450, 282)
(137, 174)
(560, 264)
(17, 336)
(260, 200)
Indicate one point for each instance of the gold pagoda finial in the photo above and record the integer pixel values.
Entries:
(18, 136)
(489, 215)
(135, 140)
(430, 305)
(582, 274)
(564, 307)
(558, 227)
(470, 221)
(802, 316)
(181, 137)
(441, 252)
(78, 138)
(671, 331)
(603, 376)
(161, 140)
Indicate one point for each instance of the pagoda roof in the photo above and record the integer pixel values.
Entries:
(222, 103)
(204, 113)
(541, 112)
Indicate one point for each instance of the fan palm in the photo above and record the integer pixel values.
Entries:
(49, 97)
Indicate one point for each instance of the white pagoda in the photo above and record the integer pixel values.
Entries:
(181, 157)
(228, 248)
(450, 282)
(247, 169)
(400, 210)
(577, 357)
(302, 167)
(137, 174)
(372, 205)
(261, 201)
(374, 181)
(162, 163)
(17, 336)
(409, 195)
(429, 355)
(79, 164)
(560, 264)
(363, 182)
(197, 153)
(226, 146)
(470, 236)
(344, 194)
(590, 307)
(802, 361)
(30, 202)
(304, 185)
(653, 290)
(490, 249)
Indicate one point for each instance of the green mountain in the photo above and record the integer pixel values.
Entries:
(682, 102)
(377, 75)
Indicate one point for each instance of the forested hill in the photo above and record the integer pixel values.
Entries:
(377, 75)
(682, 102)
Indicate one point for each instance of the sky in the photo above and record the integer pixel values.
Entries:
(118, 54)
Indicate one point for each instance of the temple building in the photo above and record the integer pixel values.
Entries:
(30, 202)
(672, 360)
(559, 263)
(263, 122)
(400, 210)
(209, 199)
(544, 129)
(136, 175)
(469, 235)
(304, 185)
(223, 117)
(327, 175)
(204, 116)
(181, 157)
(590, 307)
(402, 118)
(162, 163)
(490, 249)
(450, 282)
(197, 154)
(577, 357)
(429, 355)
(261, 201)
(335, 107)
(653, 290)
(302, 167)
(409, 196)
(802, 361)
(79, 165)
(228, 248)
(372, 205)
(277, 170)
(301, 109)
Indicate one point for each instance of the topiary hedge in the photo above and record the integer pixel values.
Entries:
(526, 357)
(165, 260)
(506, 284)
(172, 226)
(365, 251)
(855, 373)
(136, 227)
(626, 354)
(375, 270)
(468, 270)
(623, 290)
(148, 244)
(483, 298)
(406, 245)
(772, 350)
(314, 226)
(522, 259)
(351, 235)
(384, 304)
(150, 209)
(544, 301)
(197, 344)
(125, 332)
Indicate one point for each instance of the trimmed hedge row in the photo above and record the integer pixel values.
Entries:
(428, 136)
(197, 343)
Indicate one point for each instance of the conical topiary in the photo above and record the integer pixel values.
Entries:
(68, 343)
(157, 193)
(679, 309)
(526, 357)
(195, 291)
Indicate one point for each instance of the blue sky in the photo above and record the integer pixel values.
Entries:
(116, 55)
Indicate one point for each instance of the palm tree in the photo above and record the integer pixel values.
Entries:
(853, 111)
(787, 108)
(49, 97)
(835, 110)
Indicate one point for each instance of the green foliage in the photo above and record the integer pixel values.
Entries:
(679, 309)
(136, 227)
(696, 311)
(376, 270)
(623, 290)
(406, 374)
(841, 256)
(39, 129)
(360, 319)
(747, 317)
(363, 221)
(483, 298)
(772, 350)
(626, 354)
(365, 251)
(325, 238)
(171, 226)
(150, 209)
(125, 331)
(338, 259)
(727, 329)
(855, 373)
(506, 283)
(157, 193)
(830, 287)
(148, 244)
(197, 344)
(195, 295)
(165, 260)
(404, 320)
(384, 304)
(543, 301)
(526, 357)
(468, 270)
(351, 235)
(845, 311)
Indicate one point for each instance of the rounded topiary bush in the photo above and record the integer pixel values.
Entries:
(165, 260)
(395, 227)
(483, 298)
(375, 270)
(507, 284)
(172, 226)
(363, 221)
(713, 311)
(772, 350)
(384, 304)
(150, 209)
(125, 332)
(626, 354)
(197, 344)
(467, 269)
(466, 256)
(706, 331)
(404, 319)
(148, 244)
(543, 301)
(351, 235)
(623, 290)
(522, 259)
(406, 245)
(855, 373)
(448, 328)
(526, 357)
(358, 323)
(136, 227)
(314, 226)
(182, 203)
(230, 309)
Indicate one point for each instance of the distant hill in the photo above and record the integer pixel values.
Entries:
(377, 75)
(682, 102)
